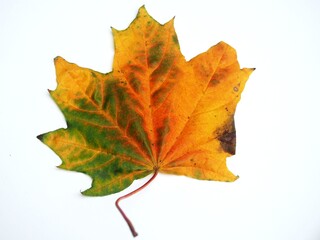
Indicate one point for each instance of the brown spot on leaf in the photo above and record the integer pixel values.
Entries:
(227, 137)
(228, 142)
(214, 82)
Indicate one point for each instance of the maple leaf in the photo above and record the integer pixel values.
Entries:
(155, 112)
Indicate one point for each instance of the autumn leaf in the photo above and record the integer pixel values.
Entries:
(155, 112)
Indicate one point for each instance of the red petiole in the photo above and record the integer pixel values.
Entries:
(133, 231)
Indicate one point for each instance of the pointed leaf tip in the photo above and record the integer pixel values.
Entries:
(142, 8)
(249, 70)
(40, 137)
(57, 58)
(114, 31)
(143, 11)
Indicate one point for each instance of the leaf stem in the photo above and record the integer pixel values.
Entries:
(133, 231)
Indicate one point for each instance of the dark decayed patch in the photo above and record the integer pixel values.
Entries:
(228, 138)
(228, 142)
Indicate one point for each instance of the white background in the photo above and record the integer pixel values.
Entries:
(278, 194)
